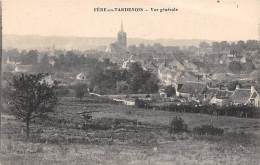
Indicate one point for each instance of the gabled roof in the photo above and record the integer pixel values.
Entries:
(257, 89)
(241, 96)
(218, 93)
(194, 88)
(224, 94)
(254, 95)
(81, 74)
(188, 77)
(211, 91)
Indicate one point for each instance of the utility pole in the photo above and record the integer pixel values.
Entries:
(1, 106)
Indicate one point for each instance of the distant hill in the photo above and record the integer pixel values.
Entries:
(81, 43)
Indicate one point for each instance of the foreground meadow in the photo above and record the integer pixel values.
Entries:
(121, 135)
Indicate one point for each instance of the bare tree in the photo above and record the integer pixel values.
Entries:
(31, 97)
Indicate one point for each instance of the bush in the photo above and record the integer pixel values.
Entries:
(177, 125)
(241, 138)
(80, 90)
(208, 130)
(139, 103)
(170, 91)
(62, 91)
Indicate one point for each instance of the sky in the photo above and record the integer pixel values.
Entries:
(195, 19)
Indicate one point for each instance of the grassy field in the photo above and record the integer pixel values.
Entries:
(121, 135)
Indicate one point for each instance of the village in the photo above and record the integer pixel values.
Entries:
(221, 77)
(129, 83)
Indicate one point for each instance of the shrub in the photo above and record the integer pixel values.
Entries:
(170, 91)
(139, 103)
(177, 125)
(208, 130)
(241, 138)
(80, 90)
(62, 91)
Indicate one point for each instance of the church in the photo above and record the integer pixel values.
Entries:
(120, 45)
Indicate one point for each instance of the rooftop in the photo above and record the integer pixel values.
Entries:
(241, 96)
(193, 88)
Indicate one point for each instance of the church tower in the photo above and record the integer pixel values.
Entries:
(122, 37)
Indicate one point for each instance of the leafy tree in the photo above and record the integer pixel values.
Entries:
(170, 91)
(177, 125)
(204, 45)
(135, 77)
(122, 87)
(30, 58)
(43, 66)
(151, 84)
(232, 85)
(13, 53)
(252, 45)
(249, 65)
(235, 67)
(31, 97)
(240, 46)
(215, 46)
(140, 80)
(80, 90)
(224, 45)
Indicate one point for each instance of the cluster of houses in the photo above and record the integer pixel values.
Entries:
(201, 92)
(18, 67)
(194, 85)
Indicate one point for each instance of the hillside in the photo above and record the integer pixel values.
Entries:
(81, 43)
(118, 135)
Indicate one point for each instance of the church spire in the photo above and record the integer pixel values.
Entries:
(122, 27)
(122, 36)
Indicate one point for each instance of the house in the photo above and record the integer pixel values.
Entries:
(168, 76)
(191, 89)
(10, 62)
(162, 93)
(126, 64)
(23, 68)
(51, 61)
(175, 64)
(129, 102)
(246, 97)
(243, 60)
(200, 92)
(209, 93)
(48, 80)
(218, 101)
(81, 76)
(221, 97)
(68, 76)
(188, 76)
(190, 66)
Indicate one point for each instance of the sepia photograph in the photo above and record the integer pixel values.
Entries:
(130, 82)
